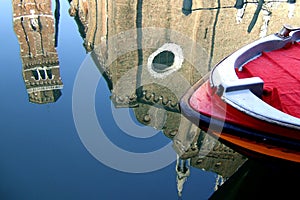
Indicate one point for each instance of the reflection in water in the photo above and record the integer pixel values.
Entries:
(183, 172)
(189, 37)
(148, 69)
(187, 7)
(260, 180)
(266, 7)
(36, 33)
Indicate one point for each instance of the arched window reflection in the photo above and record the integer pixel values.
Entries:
(49, 73)
(35, 74)
(42, 74)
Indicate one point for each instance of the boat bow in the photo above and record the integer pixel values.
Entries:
(245, 94)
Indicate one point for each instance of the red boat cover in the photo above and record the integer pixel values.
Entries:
(280, 71)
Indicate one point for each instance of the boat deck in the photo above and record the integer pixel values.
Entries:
(280, 71)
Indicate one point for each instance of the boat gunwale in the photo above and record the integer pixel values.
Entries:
(237, 60)
(208, 123)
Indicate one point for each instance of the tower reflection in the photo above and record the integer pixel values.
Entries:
(34, 26)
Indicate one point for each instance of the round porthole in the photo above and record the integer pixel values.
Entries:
(165, 60)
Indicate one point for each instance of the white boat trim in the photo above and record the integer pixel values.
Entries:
(243, 94)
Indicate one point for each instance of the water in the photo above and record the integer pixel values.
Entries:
(83, 147)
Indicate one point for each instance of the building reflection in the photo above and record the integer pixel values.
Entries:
(219, 27)
(148, 69)
(34, 26)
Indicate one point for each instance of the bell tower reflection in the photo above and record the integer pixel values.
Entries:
(34, 26)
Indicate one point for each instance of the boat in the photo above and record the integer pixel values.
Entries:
(251, 99)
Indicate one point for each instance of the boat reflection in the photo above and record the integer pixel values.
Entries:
(36, 30)
(260, 180)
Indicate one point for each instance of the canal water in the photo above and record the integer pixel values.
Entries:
(89, 96)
